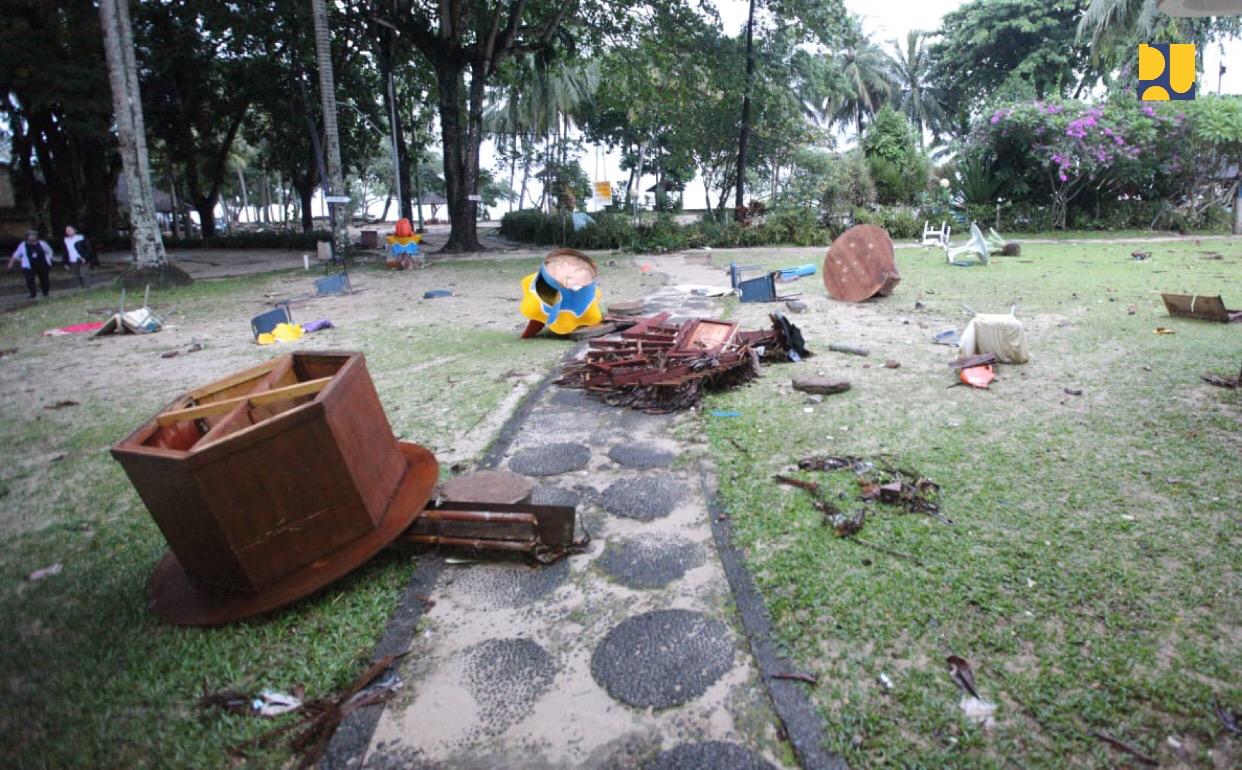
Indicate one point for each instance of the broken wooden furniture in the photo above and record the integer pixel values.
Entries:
(270, 484)
(491, 510)
(563, 295)
(661, 367)
(1199, 306)
(860, 265)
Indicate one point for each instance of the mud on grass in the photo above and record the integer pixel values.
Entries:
(1091, 575)
(89, 677)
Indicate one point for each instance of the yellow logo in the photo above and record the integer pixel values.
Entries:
(1166, 71)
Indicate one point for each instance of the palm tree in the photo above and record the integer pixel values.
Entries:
(864, 68)
(327, 96)
(912, 94)
(541, 102)
(145, 236)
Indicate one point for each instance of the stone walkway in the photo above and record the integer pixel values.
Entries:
(631, 655)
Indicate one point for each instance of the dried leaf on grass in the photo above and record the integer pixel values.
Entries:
(962, 674)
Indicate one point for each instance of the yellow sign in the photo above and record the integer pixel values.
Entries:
(603, 191)
(1166, 71)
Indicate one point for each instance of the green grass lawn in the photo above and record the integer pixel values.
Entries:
(1091, 576)
(89, 677)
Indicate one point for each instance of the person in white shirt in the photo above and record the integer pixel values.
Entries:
(73, 257)
(36, 258)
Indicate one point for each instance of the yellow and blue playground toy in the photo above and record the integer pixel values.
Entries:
(403, 246)
(562, 295)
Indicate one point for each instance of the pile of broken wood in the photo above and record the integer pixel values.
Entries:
(658, 366)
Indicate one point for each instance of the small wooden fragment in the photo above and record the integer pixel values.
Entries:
(822, 385)
(968, 362)
(591, 332)
(845, 347)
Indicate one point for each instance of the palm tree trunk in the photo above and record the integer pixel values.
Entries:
(148, 245)
(335, 184)
(744, 134)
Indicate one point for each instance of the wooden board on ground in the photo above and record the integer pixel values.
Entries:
(860, 265)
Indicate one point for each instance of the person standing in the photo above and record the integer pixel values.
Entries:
(77, 251)
(36, 258)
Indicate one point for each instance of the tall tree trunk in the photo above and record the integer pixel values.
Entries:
(241, 181)
(461, 155)
(387, 205)
(148, 245)
(327, 94)
(306, 197)
(418, 191)
(1237, 208)
(267, 198)
(744, 135)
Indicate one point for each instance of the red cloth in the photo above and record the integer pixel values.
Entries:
(76, 328)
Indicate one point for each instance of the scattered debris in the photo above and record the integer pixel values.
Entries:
(1200, 306)
(977, 244)
(591, 332)
(1228, 718)
(999, 333)
(1131, 310)
(625, 308)
(934, 237)
(725, 413)
(317, 719)
(846, 526)
(860, 265)
(845, 347)
(281, 333)
(333, 285)
(977, 376)
(1162, 330)
(962, 674)
(884, 681)
(820, 385)
(1011, 249)
(798, 676)
(314, 326)
(1221, 381)
(45, 572)
(660, 367)
(878, 480)
(82, 328)
(967, 362)
(1073, 391)
(60, 405)
(948, 337)
(1121, 745)
(170, 354)
(796, 306)
(761, 289)
(891, 364)
(789, 274)
(562, 295)
(979, 711)
(1140, 256)
(437, 293)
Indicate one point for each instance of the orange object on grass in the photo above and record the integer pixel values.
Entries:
(404, 228)
(978, 376)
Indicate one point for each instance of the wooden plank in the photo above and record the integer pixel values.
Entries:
(266, 397)
(237, 379)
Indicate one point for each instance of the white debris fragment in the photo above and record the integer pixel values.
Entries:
(979, 711)
(885, 682)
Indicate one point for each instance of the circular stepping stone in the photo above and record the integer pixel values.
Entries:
(550, 459)
(649, 561)
(641, 456)
(506, 677)
(505, 587)
(644, 497)
(554, 496)
(717, 755)
(663, 658)
(824, 386)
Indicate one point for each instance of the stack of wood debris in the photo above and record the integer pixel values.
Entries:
(658, 366)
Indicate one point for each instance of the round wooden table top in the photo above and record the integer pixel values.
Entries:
(488, 487)
(860, 264)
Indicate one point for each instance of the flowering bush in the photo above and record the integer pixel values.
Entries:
(1095, 157)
